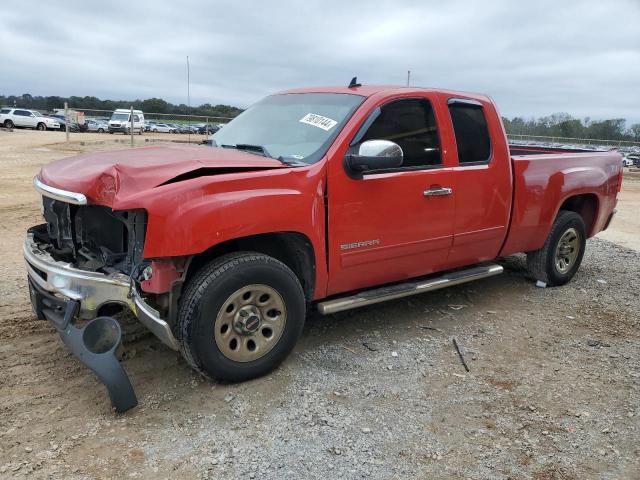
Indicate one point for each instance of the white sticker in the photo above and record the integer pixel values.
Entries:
(318, 121)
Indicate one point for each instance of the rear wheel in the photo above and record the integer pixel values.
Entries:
(561, 255)
(240, 316)
(8, 124)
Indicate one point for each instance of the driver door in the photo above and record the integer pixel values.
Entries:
(395, 224)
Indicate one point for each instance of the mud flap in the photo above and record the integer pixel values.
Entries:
(93, 344)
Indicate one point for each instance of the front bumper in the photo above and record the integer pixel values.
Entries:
(94, 344)
(91, 290)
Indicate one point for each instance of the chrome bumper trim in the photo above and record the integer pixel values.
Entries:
(92, 289)
(59, 194)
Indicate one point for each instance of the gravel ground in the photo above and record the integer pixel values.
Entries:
(553, 390)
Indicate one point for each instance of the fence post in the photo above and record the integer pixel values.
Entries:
(66, 120)
(131, 122)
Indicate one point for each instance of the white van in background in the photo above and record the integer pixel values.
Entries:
(120, 121)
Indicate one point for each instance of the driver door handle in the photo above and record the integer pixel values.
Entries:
(438, 192)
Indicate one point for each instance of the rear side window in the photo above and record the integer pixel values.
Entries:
(472, 134)
(411, 124)
(5, 110)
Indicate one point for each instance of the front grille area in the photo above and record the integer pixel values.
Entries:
(93, 237)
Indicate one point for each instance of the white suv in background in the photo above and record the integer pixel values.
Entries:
(18, 117)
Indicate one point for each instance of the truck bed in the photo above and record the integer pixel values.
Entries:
(547, 179)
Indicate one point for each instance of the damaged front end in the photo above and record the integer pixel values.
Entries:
(84, 259)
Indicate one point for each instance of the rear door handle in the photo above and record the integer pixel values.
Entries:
(438, 192)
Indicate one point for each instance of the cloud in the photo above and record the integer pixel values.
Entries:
(533, 58)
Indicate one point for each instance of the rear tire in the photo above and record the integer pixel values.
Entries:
(561, 255)
(8, 124)
(240, 316)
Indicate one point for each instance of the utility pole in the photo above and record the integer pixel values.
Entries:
(188, 98)
(408, 77)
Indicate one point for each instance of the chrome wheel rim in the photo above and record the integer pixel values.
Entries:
(567, 250)
(250, 323)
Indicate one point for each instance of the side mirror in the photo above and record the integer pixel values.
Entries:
(374, 155)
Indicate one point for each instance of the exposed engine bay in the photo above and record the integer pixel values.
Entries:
(93, 237)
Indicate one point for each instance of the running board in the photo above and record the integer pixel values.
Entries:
(382, 294)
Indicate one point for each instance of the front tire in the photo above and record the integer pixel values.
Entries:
(41, 127)
(240, 316)
(561, 255)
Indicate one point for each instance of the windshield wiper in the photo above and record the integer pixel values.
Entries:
(259, 149)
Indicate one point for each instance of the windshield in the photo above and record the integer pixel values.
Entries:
(120, 116)
(37, 114)
(297, 126)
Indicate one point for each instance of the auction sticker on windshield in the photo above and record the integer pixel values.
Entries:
(318, 121)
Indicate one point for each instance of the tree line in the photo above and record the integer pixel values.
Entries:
(154, 105)
(564, 125)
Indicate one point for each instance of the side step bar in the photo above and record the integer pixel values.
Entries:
(414, 287)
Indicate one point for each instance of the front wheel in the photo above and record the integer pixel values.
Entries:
(41, 127)
(240, 316)
(559, 258)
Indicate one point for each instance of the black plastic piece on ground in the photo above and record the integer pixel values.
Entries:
(94, 344)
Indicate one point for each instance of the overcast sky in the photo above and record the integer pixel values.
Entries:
(533, 58)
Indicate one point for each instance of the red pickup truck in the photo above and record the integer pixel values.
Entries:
(319, 198)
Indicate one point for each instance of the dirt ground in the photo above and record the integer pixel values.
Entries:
(553, 390)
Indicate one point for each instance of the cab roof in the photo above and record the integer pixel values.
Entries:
(371, 90)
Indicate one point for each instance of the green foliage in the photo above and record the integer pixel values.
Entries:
(151, 105)
(564, 125)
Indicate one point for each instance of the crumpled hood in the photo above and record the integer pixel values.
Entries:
(102, 176)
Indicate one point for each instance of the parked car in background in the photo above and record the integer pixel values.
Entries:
(162, 128)
(148, 125)
(184, 129)
(99, 126)
(207, 129)
(121, 121)
(18, 117)
(73, 127)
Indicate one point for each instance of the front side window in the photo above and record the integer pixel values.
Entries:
(296, 126)
(472, 134)
(411, 124)
(22, 113)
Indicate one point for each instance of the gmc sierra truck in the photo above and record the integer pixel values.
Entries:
(320, 198)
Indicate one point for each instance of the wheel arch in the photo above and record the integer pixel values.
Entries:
(294, 249)
(586, 205)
